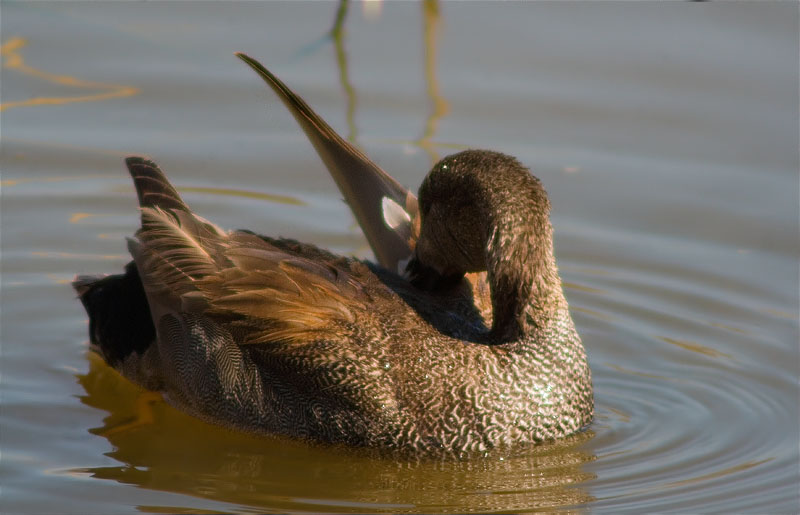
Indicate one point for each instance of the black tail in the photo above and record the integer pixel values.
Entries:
(119, 316)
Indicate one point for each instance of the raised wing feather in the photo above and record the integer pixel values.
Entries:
(363, 183)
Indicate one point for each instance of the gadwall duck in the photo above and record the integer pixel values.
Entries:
(458, 340)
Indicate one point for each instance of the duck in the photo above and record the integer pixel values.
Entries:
(457, 339)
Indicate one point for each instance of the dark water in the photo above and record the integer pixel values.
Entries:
(666, 135)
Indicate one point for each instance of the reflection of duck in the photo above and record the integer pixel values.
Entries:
(275, 336)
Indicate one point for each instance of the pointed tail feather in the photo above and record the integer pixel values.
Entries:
(363, 183)
(152, 186)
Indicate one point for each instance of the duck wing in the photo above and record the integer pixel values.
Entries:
(262, 290)
(386, 211)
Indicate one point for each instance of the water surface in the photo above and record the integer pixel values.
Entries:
(666, 135)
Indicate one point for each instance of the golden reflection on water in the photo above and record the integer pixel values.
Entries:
(173, 452)
(13, 60)
(14, 182)
(730, 328)
(269, 197)
(583, 288)
(229, 192)
(73, 255)
(695, 347)
(593, 313)
(628, 371)
(77, 217)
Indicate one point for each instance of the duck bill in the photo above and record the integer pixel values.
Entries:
(372, 194)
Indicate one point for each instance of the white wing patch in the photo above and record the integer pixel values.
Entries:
(397, 219)
(393, 214)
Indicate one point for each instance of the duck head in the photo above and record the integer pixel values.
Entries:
(484, 211)
(479, 211)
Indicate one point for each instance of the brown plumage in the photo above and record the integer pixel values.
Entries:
(459, 340)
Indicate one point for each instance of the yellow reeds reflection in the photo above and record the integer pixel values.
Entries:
(438, 104)
(337, 35)
(13, 60)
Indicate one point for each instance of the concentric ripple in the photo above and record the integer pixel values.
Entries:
(695, 393)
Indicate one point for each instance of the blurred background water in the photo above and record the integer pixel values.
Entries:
(665, 133)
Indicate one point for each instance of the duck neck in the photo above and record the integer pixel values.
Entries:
(525, 287)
